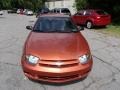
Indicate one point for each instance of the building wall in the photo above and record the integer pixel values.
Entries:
(61, 4)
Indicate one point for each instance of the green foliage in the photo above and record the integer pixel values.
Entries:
(5, 3)
(111, 30)
(33, 4)
(81, 4)
(29, 4)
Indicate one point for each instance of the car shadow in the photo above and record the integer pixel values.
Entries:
(2, 17)
(58, 84)
(95, 27)
(99, 28)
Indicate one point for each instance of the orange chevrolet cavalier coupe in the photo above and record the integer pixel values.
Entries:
(55, 51)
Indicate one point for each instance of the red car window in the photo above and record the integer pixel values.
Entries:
(101, 12)
(87, 13)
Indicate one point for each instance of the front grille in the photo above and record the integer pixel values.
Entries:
(58, 63)
(59, 78)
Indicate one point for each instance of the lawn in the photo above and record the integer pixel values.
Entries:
(111, 30)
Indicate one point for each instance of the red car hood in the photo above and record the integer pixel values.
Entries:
(53, 46)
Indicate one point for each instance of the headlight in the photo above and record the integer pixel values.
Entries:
(32, 59)
(85, 58)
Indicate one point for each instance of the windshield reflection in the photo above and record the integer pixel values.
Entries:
(54, 24)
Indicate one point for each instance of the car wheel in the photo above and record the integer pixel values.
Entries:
(89, 25)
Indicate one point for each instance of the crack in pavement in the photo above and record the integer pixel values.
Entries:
(111, 77)
(108, 44)
(111, 81)
(112, 57)
(106, 62)
(10, 43)
(86, 87)
(98, 83)
(10, 64)
(43, 87)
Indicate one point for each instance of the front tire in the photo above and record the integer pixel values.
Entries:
(89, 24)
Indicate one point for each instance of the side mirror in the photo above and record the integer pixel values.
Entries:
(80, 28)
(29, 27)
(75, 14)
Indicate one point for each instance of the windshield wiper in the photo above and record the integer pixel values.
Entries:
(55, 31)
(44, 31)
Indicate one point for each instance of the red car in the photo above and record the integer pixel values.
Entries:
(56, 51)
(91, 18)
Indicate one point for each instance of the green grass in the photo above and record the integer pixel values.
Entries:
(111, 30)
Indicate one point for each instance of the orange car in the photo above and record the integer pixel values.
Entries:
(55, 51)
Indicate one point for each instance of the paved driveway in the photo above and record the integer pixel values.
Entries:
(105, 74)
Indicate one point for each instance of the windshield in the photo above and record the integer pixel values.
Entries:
(65, 11)
(43, 10)
(54, 24)
(101, 12)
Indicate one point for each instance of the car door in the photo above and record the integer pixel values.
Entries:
(77, 18)
(85, 16)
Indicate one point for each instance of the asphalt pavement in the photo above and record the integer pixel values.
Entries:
(105, 74)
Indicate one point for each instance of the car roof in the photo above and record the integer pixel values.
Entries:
(54, 15)
(90, 9)
(60, 8)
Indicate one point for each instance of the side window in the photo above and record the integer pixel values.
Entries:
(84, 13)
(54, 10)
(58, 11)
(65, 11)
(87, 13)
(79, 13)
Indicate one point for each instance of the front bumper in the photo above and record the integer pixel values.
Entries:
(56, 75)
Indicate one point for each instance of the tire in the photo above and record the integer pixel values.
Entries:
(89, 24)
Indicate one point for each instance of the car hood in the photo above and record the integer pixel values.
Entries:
(53, 46)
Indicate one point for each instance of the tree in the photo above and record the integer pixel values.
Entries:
(80, 4)
(30, 4)
(5, 4)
